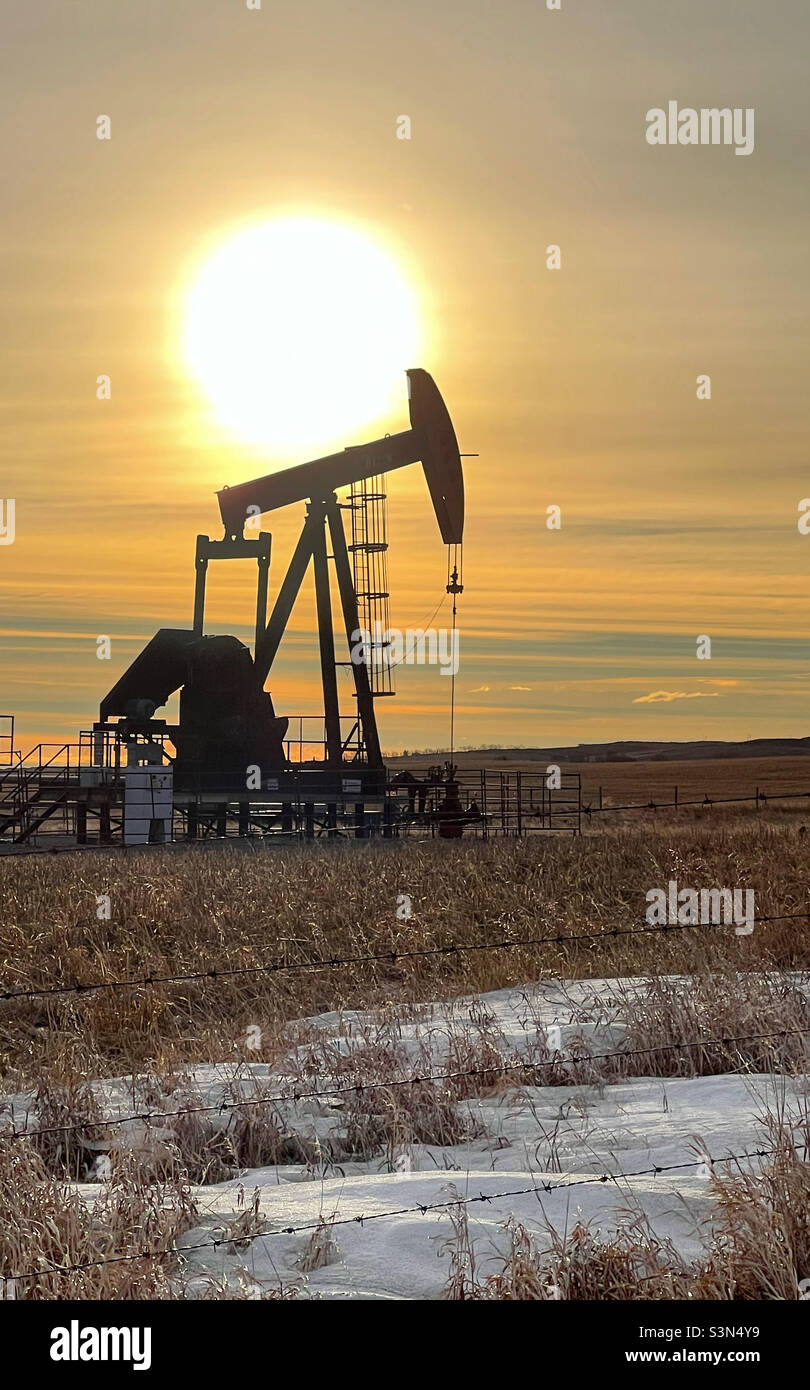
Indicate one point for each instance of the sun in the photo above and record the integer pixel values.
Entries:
(300, 331)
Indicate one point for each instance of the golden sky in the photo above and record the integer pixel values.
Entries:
(577, 386)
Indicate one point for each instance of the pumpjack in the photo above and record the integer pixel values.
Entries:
(227, 719)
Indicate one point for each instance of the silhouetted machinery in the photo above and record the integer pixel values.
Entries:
(227, 721)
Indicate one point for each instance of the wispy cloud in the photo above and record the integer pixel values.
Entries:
(665, 697)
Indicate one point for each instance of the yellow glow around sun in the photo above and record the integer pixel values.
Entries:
(300, 331)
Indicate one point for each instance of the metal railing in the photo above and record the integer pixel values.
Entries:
(59, 789)
(306, 738)
(493, 802)
(36, 788)
(6, 740)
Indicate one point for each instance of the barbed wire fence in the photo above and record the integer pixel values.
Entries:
(366, 1219)
(391, 956)
(513, 1067)
(758, 798)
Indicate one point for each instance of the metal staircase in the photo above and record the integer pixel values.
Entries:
(35, 789)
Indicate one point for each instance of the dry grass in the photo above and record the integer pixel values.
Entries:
(391, 1121)
(371, 1115)
(761, 1232)
(719, 1006)
(750, 1022)
(205, 1150)
(46, 1223)
(185, 910)
(321, 1248)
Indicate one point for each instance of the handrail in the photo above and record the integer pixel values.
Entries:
(17, 798)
